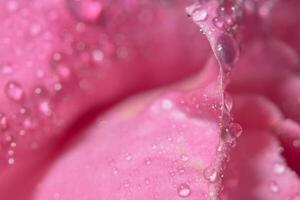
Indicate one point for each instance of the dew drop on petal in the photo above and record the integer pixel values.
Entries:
(278, 168)
(3, 122)
(14, 91)
(11, 161)
(210, 174)
(274, 187)
(184, 157)
(98, 55)
(199, 14)
(235, 130)
(184, 190)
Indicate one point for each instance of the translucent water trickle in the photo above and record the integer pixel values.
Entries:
(184, 190)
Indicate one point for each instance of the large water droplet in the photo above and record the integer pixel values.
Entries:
(184, 190)
(226, 49)
(14, 91)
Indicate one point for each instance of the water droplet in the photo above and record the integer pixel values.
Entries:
(274, 187)
(218, 23)
(296, 143)
(210, 174)
(86, 10)
(14, 91)
(235, 130)
(199, 14)
(98, 55)
(44, 107)
(35, 29)
(11, 161)
(181, 170)
(278, 168)
(148, 161)
(226, 49)
(6, 69)
(184, 190)
(184, 157)
(56, 195)
(57, 87)
(166, 104)
(12, 5)
(116, 171)
(228, 102)
(128, 158)
(3, 122)
(127, 184)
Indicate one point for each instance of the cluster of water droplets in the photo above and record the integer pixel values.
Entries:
(219, 20)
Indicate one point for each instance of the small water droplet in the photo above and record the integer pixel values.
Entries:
(127, 184)
(98, 55)
(57, 87)
(14, 91)
(12, 5)
(181, 170)
(274, 187)
(184, 157)
(278, 168)
(166, 104)
(3, 122)
(128, 158)
(210, 174)
(116, 171)
(199, 14)
(11, 161)
(148, 161)
(235, 130)
(218, 23)
(44, 107)
(6, 69)
(184, 190)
